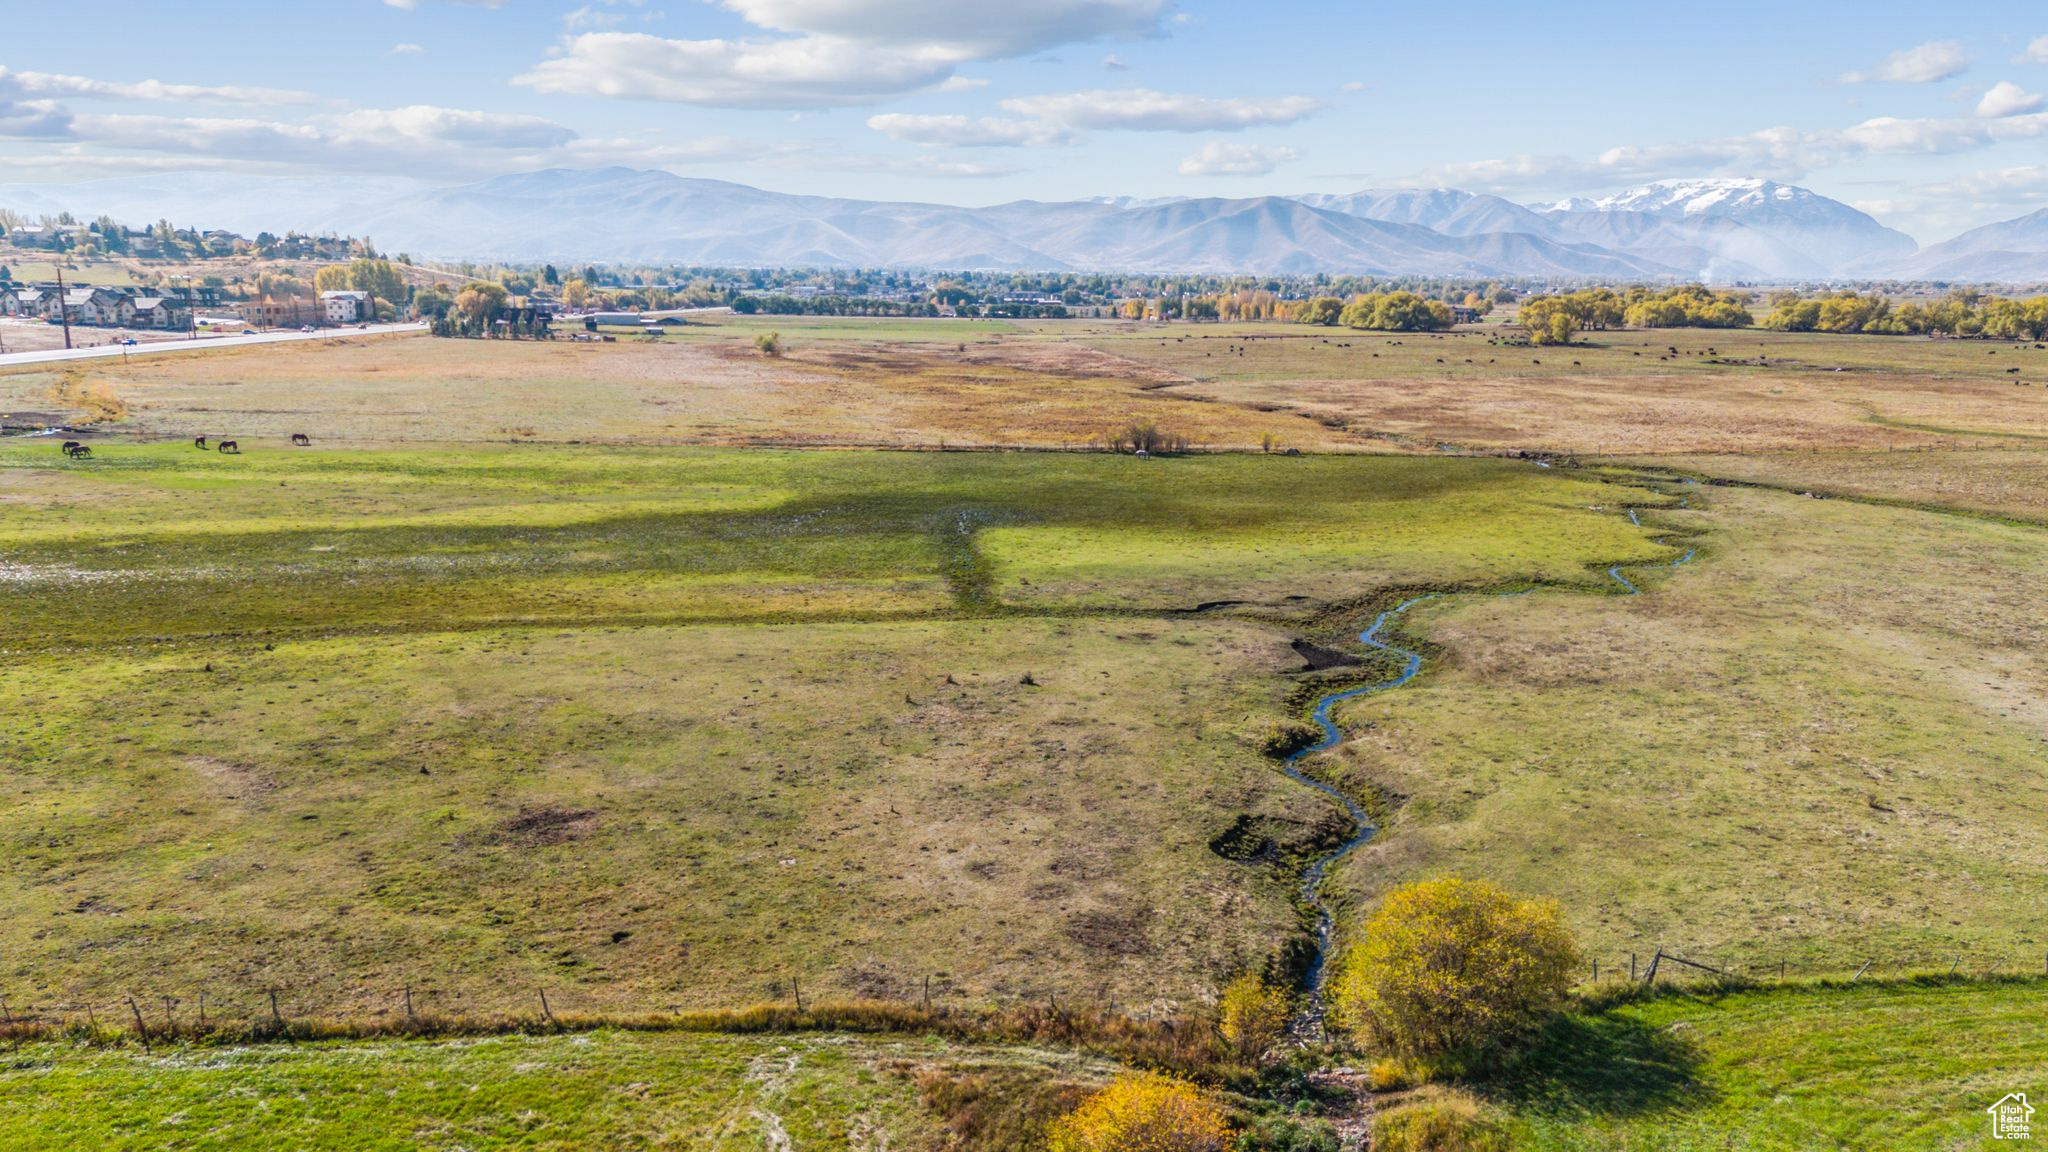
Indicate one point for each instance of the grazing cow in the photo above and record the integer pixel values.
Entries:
(199, 442)
(230, 446)
(301, 440)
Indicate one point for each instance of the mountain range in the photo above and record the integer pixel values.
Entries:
(1714, 230)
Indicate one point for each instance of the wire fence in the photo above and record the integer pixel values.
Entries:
(1170, 1027)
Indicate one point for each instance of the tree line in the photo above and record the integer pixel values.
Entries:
(1962, 314)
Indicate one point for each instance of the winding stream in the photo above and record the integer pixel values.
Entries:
(1318, 871)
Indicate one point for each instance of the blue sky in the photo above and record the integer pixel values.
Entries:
(1929, 116)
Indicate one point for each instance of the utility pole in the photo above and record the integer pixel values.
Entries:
(63, 305)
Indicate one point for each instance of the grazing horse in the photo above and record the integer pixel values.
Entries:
(78, 452)
(70, 444)
(229, 446)
(199, 442)
(301, 440)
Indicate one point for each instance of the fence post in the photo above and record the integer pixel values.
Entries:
(1631, 967)
(1861, 971)
(276, 1017)
(927, 993)
(408, 1002)
(202, 1011)
(796, 990)
(545, 1010)
(141, 1029)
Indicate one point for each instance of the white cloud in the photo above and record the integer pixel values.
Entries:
(834, 53)
(1140, 109)
(981, 31)
(968, 131)
(58, 85)
(406, 49)
(1227, 158)
(1776, 153)
(413, 139)
(2008, 99)
(1931, 136)
(1926, 64)
(809, 72)
(33, 120)
(2036, 53)
(1114, 63)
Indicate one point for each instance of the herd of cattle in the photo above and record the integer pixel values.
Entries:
(78, 451)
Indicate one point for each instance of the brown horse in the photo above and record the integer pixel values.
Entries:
(229, 446)
(78, 452)
(199, 442)
(70, 444)
(301, 440)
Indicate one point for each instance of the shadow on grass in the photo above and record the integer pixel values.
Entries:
(1601, 1063)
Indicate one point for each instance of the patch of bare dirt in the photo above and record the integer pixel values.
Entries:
(548, 825)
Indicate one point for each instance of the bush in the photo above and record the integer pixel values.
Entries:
(770, 343)
(1289, 1134)
(1288, 737)
(1252, 1017)
(1142, 1113)
(1455, 967)
(1445, 1122)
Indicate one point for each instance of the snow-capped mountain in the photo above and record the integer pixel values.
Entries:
(1719, 230)
(1448, 210)
(1740, 228)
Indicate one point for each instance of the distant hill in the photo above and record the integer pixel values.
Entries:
(2008, 251)
(1718, 230)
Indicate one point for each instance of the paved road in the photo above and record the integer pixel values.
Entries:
(204, 343)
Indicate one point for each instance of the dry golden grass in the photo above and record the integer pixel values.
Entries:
(1621, 393)
(706, 385)
(2010, 482)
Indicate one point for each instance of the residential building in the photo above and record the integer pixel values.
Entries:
(348, 307)
(290, 312)
(168, 313)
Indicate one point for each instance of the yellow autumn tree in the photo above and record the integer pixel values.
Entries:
(1251, 1016)
(1454, 966)
(1144, 1112)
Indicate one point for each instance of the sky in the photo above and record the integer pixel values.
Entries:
(1931, 117)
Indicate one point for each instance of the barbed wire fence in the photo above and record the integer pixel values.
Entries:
(268, 1012)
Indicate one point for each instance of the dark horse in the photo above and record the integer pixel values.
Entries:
(301, 440)
(229, 446)
(70, 444)
(78, 451)
(199, 442)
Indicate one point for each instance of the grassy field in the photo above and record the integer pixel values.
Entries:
(646, 727)
(1620, 392)
(2010, 482)
(561, 667)
(926, 383)
(700, 385)
(1820, 743)
(603, 1090)
(1879, 1067)
(1875, 1066)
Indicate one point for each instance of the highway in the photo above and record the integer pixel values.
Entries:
(203, 344)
